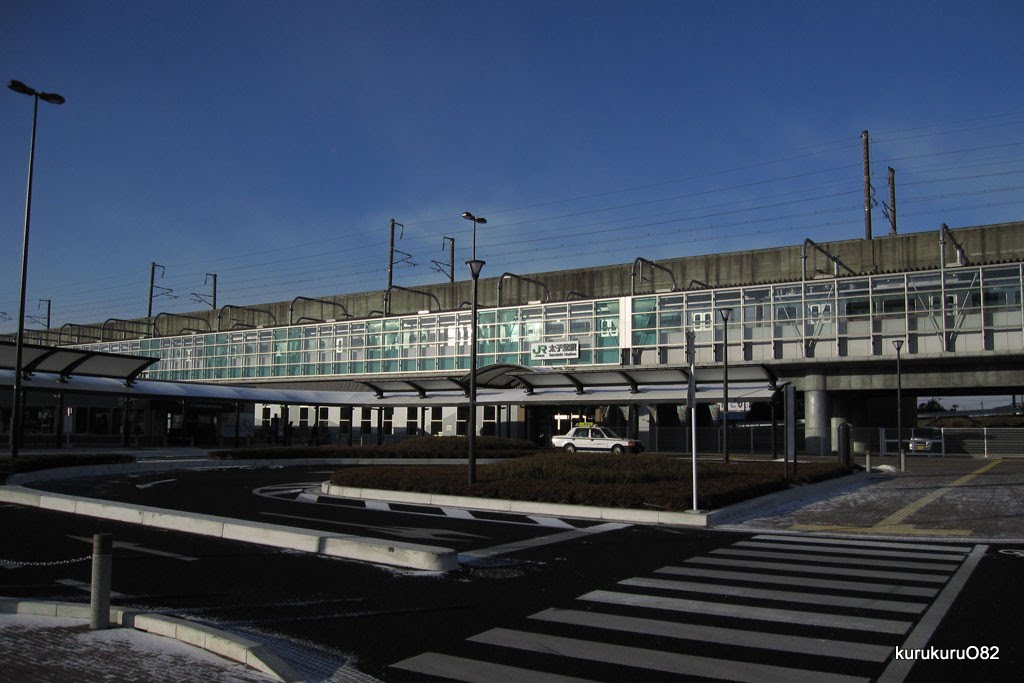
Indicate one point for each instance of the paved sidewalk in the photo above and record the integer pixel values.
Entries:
(961, 498)
(51, 642)
(62, 650)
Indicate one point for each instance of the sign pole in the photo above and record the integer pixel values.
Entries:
(691, 400)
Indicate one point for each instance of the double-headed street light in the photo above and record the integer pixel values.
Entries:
(476, 219)
(725, 313)
(475, 266)
(17, 426)
(898, 344)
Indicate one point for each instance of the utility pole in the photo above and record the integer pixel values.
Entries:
(892, 201)
(152, 279)
(164, 291)
(391, 252)
(209, 299)
(447, 268)
(865, 143)
(406, 258)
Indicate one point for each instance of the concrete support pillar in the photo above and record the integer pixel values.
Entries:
(817, 423)
(839, 413)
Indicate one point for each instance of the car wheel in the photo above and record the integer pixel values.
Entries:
(617, 450)
(570, 448)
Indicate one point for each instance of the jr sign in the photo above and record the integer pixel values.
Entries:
(561, 350)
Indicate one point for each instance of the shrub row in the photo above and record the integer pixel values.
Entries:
(648, 481)
(416, 447)
(32, 463)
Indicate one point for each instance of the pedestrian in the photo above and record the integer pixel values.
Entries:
(275, 426)
(288, 434)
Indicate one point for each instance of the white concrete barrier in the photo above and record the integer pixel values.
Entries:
(393, 553)
(525, 507)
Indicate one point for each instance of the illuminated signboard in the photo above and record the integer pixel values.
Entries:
(560, 350)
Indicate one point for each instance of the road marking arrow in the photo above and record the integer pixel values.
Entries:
(154, 483)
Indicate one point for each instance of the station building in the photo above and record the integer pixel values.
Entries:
(808, 341)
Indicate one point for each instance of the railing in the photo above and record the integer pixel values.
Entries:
(973, 442)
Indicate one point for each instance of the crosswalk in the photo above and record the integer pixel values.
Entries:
(768, 608)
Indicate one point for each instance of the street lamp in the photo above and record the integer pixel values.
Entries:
(475, 266)
(898, 344)
(476, 219)
(725, 313)
(16, 421)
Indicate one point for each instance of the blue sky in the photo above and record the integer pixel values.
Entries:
(270, 142)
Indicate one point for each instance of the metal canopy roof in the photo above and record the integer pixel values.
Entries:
(517, 384)
(633, 380)
(76, 371)
(67, 362)
(552, 395)
(636, 380)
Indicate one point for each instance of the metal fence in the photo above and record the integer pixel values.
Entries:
(756, 440)
(974, 442)
(743, 440)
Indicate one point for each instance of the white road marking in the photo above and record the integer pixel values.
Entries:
(141, 549)
(716, 634)
(154, 483)
(399, 531)
(671, 662)
(475, 671)
(512, 547)
(83, 586)
(735, 611)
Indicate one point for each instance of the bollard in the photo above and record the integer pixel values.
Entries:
(99, 604)
(844, 444)
(867, 464)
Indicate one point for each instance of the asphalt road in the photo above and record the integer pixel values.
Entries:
(290, 497)
(675, 603)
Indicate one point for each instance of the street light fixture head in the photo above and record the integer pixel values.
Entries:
(475, 266)
(476, 219)
(18, 86)
(725, 313)
(897, 344)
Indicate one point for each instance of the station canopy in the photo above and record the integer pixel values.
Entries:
(63, 370)
(66, 362)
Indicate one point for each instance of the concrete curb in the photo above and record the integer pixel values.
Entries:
(394, 553)
(605, 514)
(235, 648)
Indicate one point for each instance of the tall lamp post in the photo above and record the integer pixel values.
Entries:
(898, 345)
(476, 219)
(16, 421)
(725, 313)
(475, 266)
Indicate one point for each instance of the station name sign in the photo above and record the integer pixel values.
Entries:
(560, 350)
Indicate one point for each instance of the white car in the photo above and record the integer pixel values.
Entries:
(920, 443)
(595, 439)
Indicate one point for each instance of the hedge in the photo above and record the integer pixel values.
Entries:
(637, 481)
(415, 447)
